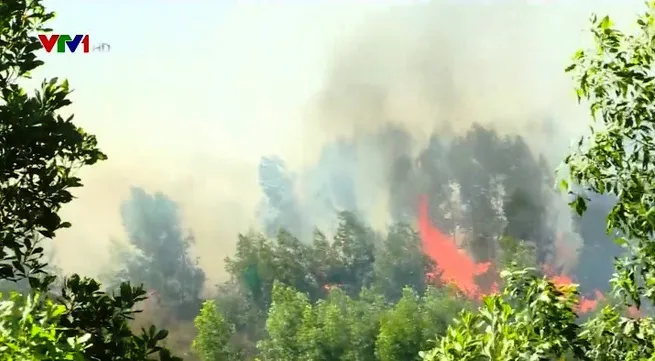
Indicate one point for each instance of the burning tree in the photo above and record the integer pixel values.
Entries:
(533, 317)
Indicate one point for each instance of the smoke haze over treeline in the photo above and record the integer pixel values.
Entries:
(341, 94)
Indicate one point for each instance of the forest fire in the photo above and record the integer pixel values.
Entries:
(455, 266)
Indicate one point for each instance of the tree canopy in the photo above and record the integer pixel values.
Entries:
(346, 291)
(39, 152)
(532, 317)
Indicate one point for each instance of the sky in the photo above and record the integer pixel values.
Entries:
(194, 92)
(189, 98)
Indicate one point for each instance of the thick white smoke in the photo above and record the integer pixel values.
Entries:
(289, 79)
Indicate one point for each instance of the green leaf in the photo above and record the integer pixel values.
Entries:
(162, 334)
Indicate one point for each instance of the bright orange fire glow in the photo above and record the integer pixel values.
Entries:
(455, 266)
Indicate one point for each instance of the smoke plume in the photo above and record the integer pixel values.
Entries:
(341, 99)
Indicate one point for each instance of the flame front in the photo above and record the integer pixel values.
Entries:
(455, 266)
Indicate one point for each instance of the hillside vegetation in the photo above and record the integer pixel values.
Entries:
(469, 270)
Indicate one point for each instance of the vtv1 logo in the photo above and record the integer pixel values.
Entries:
(64, 41)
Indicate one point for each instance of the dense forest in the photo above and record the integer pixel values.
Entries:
(474, 265)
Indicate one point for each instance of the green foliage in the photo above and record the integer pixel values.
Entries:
(214, 332)
(39, 147)
(105, 318)
(400, 261)
(365, 314)
(399, 336)
(439, 307)
(255, 267)
(531, 320)
(341, 328)
(354, 261)
(612, 337)
(534, 320)
(284, 324)
(413, 322)
(616, 80)
(347, 262)
(324, 261)
(29, 331)
(355, 246)
(39, 152)
(517, 253)
(364, 328)
(240, 310)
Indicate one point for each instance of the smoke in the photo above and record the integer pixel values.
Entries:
(413, 73)
(442, 67)
(346, 94)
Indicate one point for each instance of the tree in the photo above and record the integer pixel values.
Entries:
(292, 264)
(366, 313)
(515, 252)
(214, 332)
(412, 323)
(105, 318)
(486, 186)
(535, 320)
(617, 156)
(436, 179)
(40, 149)
(355, 245)
(401, 262)
(399, 337)
(284, 325)
(161, 259)
(39, 152)
(260, 262)
(253, 267)
(325, 332)
(29, 331)
(491, 170)
(336, 328)
(238, 309)
(532, 320)
(365, 327)
(313, 268)
(325, 263)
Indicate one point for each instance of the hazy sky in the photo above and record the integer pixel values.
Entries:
(193, 92)
(190, 96)
(177, 68)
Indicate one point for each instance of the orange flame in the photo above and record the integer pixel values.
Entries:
(330, 286)
(453, 264)
(457, 267)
